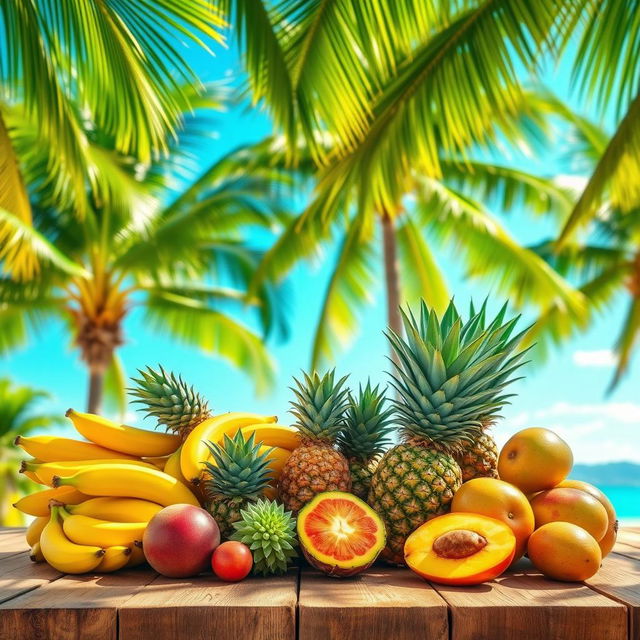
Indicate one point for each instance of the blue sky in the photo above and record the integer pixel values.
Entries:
(566, 393)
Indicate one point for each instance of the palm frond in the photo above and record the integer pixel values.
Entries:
(115, 387)
(14, 198)
(350, 288)
(420, 276)
(194, 323)
(507, 187)
(616, 174)
(21, 237)
(489, 251)
(626, 341)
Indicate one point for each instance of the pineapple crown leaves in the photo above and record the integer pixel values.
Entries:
(367, 424)
(169, 399)
(450, 375)
(320, 405)
(238, 467)
(269, 531)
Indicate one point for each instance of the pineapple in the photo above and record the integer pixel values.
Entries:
(449, 378)
(316, 465)
(478, 459)
(237, 475)
(170, 400)
(364, 437)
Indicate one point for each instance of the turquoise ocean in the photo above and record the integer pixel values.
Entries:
(626, 501)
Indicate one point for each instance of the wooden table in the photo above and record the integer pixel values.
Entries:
(37, 602)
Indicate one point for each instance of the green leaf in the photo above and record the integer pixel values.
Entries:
(420, 276)
(115, 385)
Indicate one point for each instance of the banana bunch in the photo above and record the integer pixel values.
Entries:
(99, 494)
(194, 451)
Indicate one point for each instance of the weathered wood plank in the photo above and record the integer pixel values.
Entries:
(71, 608)
(12, 542)
(624, 549)
(630, 537)
(619, 578)
(205, 607)
(381, 604)
(523, 605)
(18, 574)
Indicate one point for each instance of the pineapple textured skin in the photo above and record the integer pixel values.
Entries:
(479, 459)
(312, 468)
(411, 485)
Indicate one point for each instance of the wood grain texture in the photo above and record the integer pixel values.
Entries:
(627, 550)
(381, 604)
(12, 542)
(523, 605)
(629, 536)
(619, 578)
(18, 574)
(71, 608)
(205, 607)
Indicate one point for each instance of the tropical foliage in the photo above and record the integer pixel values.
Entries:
(20, 414)
(182, 258)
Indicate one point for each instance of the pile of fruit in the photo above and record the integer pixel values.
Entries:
(443, 501)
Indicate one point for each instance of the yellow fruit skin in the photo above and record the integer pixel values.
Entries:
(101, 533)
(36, 555)
(564, 551)
(45, 471)
(157, 461)
(172, 467)
(64, 555)
(55, 449)
(127, 481)
(137, 555)
(274, 435)
(129, 440)
(195, 451)
(37, 504)
(35, 529)
(277, 459)
(114, 558)
(116, 509)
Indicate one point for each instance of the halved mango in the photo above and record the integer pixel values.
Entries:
(340, 534)
(460, 549)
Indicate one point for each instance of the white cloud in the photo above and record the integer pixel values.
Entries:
(599, 358)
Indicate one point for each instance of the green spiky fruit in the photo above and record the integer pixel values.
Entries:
(269, 531)
(168, 399)
(450, 378)
(316, 466)
(365, 436)
(237, 475)
(478, 459)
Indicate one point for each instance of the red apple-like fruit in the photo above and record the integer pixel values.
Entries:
(179, 540)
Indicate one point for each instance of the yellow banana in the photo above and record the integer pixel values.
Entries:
(35, 529)
(277, 459)
(64, 555)
(195, 451)
(137, 555)
(128, 481)
(274, 435)
(116, 509)
(37, 504)
(157, 461)
(173, 465)
(55, 449)
(101, 533)
(30, 474)
(120, 437)
(46, 470)
(114, 558)
(36, 555)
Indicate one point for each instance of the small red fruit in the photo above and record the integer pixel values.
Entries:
(232, 561)
(179, 540)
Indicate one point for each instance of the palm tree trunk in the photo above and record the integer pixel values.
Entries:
(392, 276)
(96, 387)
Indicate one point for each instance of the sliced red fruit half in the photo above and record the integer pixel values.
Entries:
(340, 534)
(460, 549)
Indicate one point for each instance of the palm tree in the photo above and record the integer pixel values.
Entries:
(18, 416)
(181, 256)
(386, 96)
(118, 61)
(604, 262)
